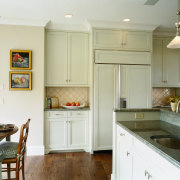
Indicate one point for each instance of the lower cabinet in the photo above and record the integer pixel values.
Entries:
(124, 157)
(140, 169)
(133, 160)
(66, 130)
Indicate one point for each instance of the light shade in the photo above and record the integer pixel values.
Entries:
(175, 43)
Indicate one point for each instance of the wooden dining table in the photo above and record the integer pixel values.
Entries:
(7, 134)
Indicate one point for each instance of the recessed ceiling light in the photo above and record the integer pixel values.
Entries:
(68, 15)
(126, 20)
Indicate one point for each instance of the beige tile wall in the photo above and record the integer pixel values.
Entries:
(161, 95)
(69, 94)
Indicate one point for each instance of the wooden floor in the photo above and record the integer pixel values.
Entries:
(69, 166)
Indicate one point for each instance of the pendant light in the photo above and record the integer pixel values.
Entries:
(175, 43)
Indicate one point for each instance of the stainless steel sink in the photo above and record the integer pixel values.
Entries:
(169, 141)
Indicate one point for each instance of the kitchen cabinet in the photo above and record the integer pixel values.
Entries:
(165, 64)
(135, 87)
(66, 130)
(67, 59)
(124, 156)
(141, 170)
(122, 40)
(134, 160)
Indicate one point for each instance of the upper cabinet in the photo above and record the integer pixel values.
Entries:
(165, 64)
(67, 59)
(122, 40)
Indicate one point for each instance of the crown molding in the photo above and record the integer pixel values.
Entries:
(124, 25)
(68, 27)
(24, 22)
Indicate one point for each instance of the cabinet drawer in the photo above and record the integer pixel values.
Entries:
(125, 136)
(56, 114)
(78, 114)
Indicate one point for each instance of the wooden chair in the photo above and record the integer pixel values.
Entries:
(14, 152)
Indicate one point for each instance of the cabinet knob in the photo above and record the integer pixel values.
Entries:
(122, 134)
(66, 80)
(127, 153)
(69, 80)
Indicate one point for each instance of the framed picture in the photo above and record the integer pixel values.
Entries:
(19, 80)
(20, 59)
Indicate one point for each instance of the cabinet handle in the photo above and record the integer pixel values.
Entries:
(127, 153)
(164, 81)
(149, 176)
(66, 80)
(59, 114)
(69, 80)
(122, 134)
(145, 173)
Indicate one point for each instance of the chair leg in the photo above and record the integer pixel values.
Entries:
(23, 168)
(8, 170)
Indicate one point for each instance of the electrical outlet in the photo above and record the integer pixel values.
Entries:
(139, 116)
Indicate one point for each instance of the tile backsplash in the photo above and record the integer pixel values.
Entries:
(161, 95)
(69, 94)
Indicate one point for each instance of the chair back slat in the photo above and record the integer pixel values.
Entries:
(22, 140)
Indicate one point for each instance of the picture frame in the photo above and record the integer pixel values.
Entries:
(20, 80)
(20, 59)
(54, 102)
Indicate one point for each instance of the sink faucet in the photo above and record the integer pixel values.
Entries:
(177, 108)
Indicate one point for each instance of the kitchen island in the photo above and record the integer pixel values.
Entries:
(137, 154)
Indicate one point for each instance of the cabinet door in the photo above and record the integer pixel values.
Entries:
(77, 132)
(104, 103)
(140, 41)
(138, 79)
(124, 160)
(107, 39)
(157, 63)
(78, 60)
(140, 169)
(56, 58)
(172, 65)
(56, 135)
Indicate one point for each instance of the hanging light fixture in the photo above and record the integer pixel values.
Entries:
(175, 43)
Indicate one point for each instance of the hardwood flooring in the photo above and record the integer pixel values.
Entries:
(69, 166)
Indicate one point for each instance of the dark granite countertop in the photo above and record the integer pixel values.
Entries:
(136, 109)
(146, 110)
(64, 109)
(143, 130)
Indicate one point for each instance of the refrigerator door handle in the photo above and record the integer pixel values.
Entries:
(117, 86)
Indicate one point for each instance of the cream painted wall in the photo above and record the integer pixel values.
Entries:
(18, 106)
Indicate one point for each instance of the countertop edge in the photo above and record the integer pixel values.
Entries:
(64, 109)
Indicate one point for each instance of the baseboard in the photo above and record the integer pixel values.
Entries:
(112, 177)
(35, 150)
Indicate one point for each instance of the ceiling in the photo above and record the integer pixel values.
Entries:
(162, 14)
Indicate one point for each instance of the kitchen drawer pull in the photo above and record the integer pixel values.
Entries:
(59, 114)
(127, 153)
(122, 134)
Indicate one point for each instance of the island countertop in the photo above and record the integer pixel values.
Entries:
(143, 130)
